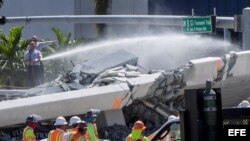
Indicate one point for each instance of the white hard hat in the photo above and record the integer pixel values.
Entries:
(244, 104)
(60, 121)
(74, 120)
(171, 117)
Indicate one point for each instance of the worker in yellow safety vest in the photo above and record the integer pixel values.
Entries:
(28, 132)
(57, 134)
(92, 134)
(80, 134)
(137, 132)
(74, 121)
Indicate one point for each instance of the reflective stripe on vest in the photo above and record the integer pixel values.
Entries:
(55, 135)
(72, 130)
(28, 134)
(77, 137)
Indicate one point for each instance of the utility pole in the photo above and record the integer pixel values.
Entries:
(246, 28)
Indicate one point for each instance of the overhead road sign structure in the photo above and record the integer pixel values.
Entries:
(170, 20)
(198, 24)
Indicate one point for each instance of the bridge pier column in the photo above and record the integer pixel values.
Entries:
(246, 29)
(110, 117)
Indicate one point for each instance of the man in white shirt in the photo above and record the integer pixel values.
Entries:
(32, 59)
(40, 46)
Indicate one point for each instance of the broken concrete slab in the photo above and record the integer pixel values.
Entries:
(115, 59)
(66, 103)
(47, 88)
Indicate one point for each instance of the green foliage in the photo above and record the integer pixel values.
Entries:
(12, 49)
(63, 39)
(101, 7)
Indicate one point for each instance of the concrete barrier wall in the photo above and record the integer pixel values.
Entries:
(216, 68)
(242, 64)
(202, 70)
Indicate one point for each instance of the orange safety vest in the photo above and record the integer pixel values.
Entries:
(76, 136)
(28, 134)
(55, 135)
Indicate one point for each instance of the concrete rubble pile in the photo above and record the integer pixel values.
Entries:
(114, 133)
(97, 72)
(138, 110)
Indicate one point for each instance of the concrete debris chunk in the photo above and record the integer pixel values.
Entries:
(116, 68)
(46, 88)
(93, 70)
(105, 80)
(131, 68)
(75, 86)
(65, 87)
(111, 73)
(101, 64)
(77, 69)
(132, 74)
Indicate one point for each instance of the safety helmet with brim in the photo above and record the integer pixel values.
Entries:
(60, 121)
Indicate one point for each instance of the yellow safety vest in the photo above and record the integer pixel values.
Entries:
(76, 136)
(28, 134)
(130, 138)
(92, 134)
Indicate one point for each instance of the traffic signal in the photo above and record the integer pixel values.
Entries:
(2, 20)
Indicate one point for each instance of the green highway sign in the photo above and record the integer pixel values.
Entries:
(197, 24)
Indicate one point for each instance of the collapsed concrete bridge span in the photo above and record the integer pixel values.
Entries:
(120, 84)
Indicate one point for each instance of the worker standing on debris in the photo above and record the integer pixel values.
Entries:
(32, 59)
(80, 134)
(92, 133)
(28, 132)
(74, 121)
(57, 134)
(137, 132)
(40, 46)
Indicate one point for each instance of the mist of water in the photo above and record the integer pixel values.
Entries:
(154, 52)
